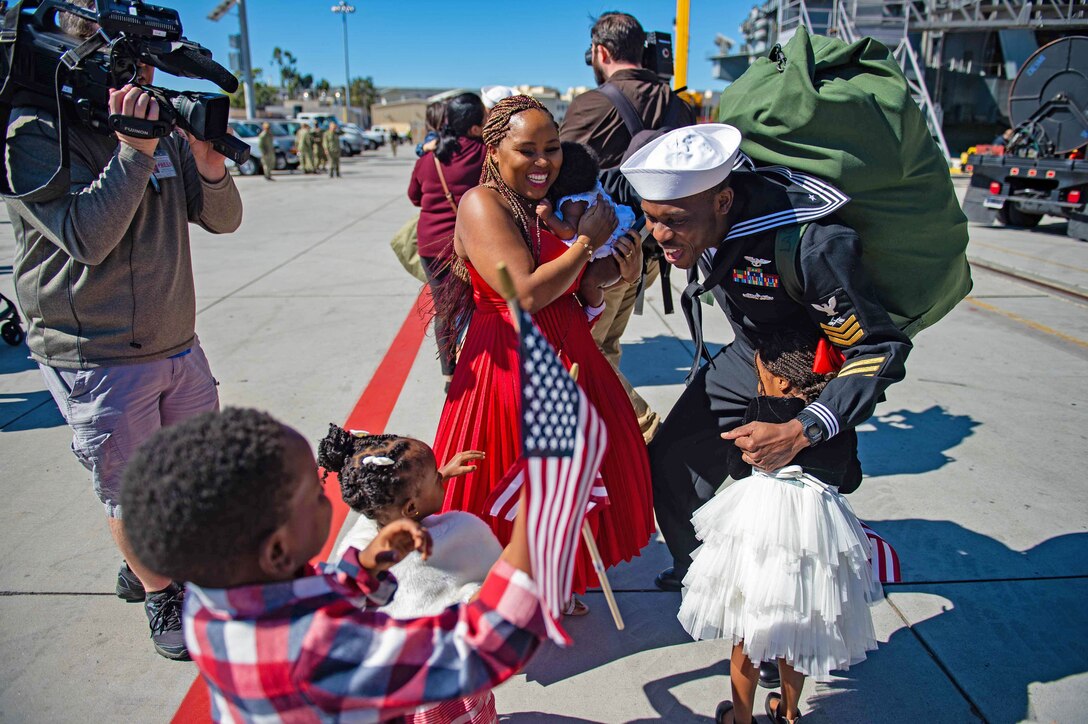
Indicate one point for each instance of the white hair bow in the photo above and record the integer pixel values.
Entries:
(377, 460)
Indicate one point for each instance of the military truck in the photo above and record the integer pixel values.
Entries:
(1042, 168)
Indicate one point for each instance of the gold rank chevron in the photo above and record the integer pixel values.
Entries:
(867, 367)
(844, 334)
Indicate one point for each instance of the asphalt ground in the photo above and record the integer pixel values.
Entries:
(975, 470)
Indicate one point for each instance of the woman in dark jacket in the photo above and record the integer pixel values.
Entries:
(460, 158)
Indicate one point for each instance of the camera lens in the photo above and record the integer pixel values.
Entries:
(589, 55)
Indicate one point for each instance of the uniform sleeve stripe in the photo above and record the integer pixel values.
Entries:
(864, 362)
(826, 416)
(866, 371)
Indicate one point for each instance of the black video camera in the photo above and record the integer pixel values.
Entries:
(44, 67)
(656, 54)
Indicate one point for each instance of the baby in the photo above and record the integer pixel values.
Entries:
(574, 191)
(386, 478)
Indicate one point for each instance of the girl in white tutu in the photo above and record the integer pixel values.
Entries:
(783, 570)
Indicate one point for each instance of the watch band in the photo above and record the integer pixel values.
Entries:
(814, 432)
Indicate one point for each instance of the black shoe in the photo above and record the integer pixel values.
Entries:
(129, 587)
(768, 675)
(670, 579)
(163, 610)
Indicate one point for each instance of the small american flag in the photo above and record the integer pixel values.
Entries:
(563, 442)
(884, 559)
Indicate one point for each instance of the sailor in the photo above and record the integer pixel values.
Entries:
(714, 213)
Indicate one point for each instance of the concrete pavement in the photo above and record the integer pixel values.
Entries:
(973, 473)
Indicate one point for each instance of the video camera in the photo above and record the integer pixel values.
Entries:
(44, 67)
(656, 54)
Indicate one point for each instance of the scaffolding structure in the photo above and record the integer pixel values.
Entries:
(899, 24)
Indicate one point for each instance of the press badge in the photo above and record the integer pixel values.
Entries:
(164, 167)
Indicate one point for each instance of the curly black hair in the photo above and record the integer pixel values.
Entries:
(579, 172)
(790, 354)
(200, 496)
(367, 489)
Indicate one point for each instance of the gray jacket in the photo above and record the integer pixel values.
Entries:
(104, 273)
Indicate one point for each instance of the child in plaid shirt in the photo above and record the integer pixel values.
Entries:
(232, 503)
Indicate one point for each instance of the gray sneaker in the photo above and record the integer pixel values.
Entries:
(163, 610)
(129, 588)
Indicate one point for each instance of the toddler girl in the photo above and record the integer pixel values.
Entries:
(783, 571)
(388, 477)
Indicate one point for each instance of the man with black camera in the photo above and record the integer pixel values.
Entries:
(616, 52)
(104, 275)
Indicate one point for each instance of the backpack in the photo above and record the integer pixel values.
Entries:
(621, 191)
(843, 112)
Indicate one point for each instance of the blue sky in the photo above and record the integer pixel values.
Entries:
(452, 43)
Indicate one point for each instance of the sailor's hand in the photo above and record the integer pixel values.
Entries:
(768, 445)
(136, 103)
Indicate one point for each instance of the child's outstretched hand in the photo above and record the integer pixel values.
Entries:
(456, 467)
(393, 543)
(544, 210)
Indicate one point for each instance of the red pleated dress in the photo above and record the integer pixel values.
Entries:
(483, 412)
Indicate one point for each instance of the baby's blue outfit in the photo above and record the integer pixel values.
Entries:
(625, 217)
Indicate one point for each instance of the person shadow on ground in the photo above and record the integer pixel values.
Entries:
(904, 442)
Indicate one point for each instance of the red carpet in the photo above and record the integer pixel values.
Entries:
(370, 413)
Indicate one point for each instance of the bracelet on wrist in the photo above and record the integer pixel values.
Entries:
(589, 249)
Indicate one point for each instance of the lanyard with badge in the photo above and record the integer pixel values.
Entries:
(164, 169)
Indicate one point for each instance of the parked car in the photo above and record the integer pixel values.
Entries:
(248, 131)
(381, 131)
(371, 141)
(350, 143)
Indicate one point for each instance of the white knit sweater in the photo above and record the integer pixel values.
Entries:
(464, 551)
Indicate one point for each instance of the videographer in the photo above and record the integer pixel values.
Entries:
(616, 51)
(104, 276)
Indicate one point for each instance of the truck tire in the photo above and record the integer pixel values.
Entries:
(1012, 216)
(251, 167)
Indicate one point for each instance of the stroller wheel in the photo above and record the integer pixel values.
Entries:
(12, 333)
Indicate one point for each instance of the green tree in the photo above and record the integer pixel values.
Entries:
(323, 85)
(289, 75)
(266, 94)
(363, 93)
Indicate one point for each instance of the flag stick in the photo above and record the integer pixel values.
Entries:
(506, 284)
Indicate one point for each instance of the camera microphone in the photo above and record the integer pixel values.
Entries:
(191, 61)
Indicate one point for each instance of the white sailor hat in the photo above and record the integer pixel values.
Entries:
(492, 94)
(683, 162)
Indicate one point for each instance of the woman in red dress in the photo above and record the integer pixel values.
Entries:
(496, 223)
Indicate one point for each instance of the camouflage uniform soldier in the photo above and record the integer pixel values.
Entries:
(268, 150)
(303, 142)
(318, 141)
(331, 142)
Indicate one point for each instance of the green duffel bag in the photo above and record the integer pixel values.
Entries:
(843, 112)
(405, 245)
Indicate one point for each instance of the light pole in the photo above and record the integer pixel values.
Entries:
(344, 9)
(246, 63)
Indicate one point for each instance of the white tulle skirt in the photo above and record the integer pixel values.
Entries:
(783, 567)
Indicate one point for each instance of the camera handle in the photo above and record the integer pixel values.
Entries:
(139, 127)
(233, 148)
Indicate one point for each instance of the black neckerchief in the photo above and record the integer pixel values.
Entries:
(775, 196)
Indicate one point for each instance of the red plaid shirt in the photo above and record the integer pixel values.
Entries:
(312, 650)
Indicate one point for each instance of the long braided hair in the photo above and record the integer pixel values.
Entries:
(453, 298)
(790, 355)
(368, 488)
